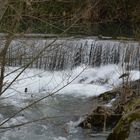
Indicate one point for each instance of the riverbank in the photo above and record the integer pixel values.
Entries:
(123, 117)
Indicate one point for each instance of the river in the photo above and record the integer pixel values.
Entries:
(75, 67)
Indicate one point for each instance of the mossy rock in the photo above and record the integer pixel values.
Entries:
(99, 117)
(120, 115)
(131, 113)
(109, 95)
(133, 92)
(133, 104)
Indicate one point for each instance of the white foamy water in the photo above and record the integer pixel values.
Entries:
(81, 81)
(69, 104)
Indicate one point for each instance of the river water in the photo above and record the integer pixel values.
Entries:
(64, 112)
(56, 117)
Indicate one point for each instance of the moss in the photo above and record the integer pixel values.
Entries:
(131, 113)
(107, 96)
(127, 119)
(97, 119)
(132, 105)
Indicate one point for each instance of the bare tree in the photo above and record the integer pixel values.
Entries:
(14, 14)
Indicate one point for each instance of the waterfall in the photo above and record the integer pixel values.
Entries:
(70, 52)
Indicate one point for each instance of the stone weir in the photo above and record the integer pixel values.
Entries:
(67, 53)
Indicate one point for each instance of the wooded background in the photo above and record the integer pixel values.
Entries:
(54, 16)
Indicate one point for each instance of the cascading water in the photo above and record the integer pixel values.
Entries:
(68, 53)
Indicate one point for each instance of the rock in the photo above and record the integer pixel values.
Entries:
(101, 118)
(134, 131)
(123, 129)
(123, 116)
(129, 125)
(132, 88)
(109, 95)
